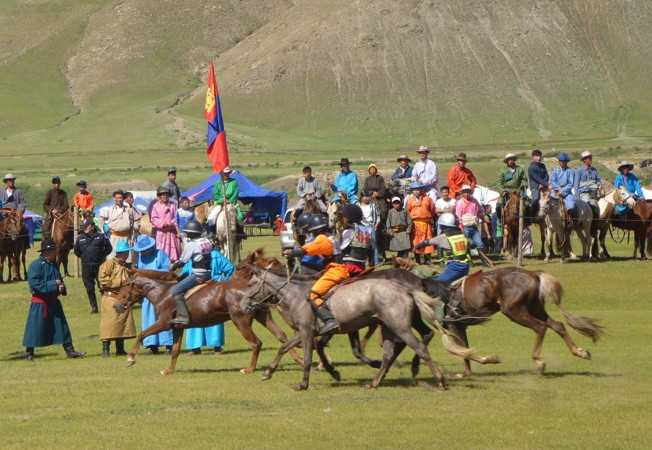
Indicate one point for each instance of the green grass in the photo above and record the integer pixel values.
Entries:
(95, 402)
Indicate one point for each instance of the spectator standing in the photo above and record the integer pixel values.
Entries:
(425, 170)
(121, 220)
(399, 227)
(55, 203)
(92, 248)
(370, 220)
(46, 322)
(164, 218)
(460, 176)
(172, 187)
(184, 213)
(486, 234)
(278, 224)
(375, 184)
(444, 204)
(469, 212)
(422, 210)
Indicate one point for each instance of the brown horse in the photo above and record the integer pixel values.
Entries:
(637, 219)
(510, 224)
(520, 295)
(214, 304)
(10, 244)
(63, 230)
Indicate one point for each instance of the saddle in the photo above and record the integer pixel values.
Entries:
(347, 281)
(190, 292)
(457, 301)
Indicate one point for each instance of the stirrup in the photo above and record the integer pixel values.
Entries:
(180, 320)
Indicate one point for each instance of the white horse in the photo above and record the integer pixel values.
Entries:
(226, 231)
(555, 223)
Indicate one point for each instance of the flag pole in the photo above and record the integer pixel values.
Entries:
(228, 220)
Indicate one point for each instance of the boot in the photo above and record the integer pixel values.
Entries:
(153, 350)
(572, 219)
(182, 311)
(485, 260)
(322, 311)
(106, 349)
(30, 354)
(120, 347)
(70, 351)
(93, 301)
(218, 351)
(168, 350)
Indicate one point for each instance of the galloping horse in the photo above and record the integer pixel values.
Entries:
(10, 241)
(226, 231)
(213, 305)
(638, 219)
(63, 228)
(381, 302)
(550, 209)
(520, 295)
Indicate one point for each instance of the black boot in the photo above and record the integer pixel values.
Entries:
(120, 347)
(182, 311)
(92, 299)
(485, 261)
(30, 354)
(106, 349)
(70, 351)
(324, 313)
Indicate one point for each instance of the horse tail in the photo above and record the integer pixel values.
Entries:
(550, 287)
(427, 305)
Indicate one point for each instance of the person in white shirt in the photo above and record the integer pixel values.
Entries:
(370, 219)
(426, 173)
(444, 204)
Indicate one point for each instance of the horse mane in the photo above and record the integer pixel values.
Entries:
(156, 275)
(296, 276)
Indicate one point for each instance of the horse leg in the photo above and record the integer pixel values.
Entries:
(243, 324)
(367, 336)
(459, 334)
(523, 317)
(307, 335)
(177, 335)
(154, 328)
(323, 358)
(406, 335)
(291, 343)
(354, 339)
(268, 322)
(388, 352)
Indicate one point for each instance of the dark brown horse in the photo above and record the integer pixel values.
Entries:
(11, 243)
(637, 219)
(63, 231)
(510, 224)
(215, 304)
(520, 295)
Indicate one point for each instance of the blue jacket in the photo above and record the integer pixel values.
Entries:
(221, 268)
(408, 172)
(538, 174)
(562, 179)
(585, 179)
(347, 182)
(631, 183)
(42, 276)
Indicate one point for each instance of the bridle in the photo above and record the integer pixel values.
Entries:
(264, 302)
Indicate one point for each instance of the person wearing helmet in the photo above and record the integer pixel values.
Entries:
(453, 247)
(328, 248)
(356, 243)
(562, 179)
(302, 230)
(198, 250)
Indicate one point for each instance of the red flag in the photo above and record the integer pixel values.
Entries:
(216, 137)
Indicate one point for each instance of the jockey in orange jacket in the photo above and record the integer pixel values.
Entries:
(327, 248)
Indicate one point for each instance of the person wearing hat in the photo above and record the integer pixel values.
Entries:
(459, 175)
(539, 179)
(54, 204)
(171, 185)
(588, 187)
(404, 170)
(151, 258)
(278, 224)
(308, 188)
(630, 182)
(115, 326)
(11, 197)
(355, 244)
(232, 191)
(196, 338)
(328, 248)
(562, 179)
(46, 322)
(399, 227)
(122, 221)
(426, 172)
(164, 218)
(375, 184)
(92, 248)
(469, 213)
(422, 211)
(83, 199)
(510, 178)
(346, 183)
(371, 220)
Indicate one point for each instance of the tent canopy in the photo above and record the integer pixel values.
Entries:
(262, 201)
(142, 199)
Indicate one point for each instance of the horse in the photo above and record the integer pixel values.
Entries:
(598, 247)
(201, 211)
(10, 238)
(335, 217)
(520, 295)
(63, 227)
(226, 231)
(550, 209)
(510, 213)
(378, 301)
(637, 219)
(401, 186)
(212, 305)
(309, 206)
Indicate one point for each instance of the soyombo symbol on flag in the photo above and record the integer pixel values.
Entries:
(216, 137)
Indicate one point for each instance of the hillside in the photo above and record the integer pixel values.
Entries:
(322, 75)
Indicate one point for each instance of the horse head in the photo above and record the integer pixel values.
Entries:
(402, 186)
(12, 224)
(334, 213)
(623, 197)
(258, 289)
(544, 202)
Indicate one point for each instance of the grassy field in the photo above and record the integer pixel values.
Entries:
(95, 402)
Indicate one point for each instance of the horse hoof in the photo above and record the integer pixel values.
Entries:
(441, 387)
(562, 261)
(247, 370)
(585, 354)
(266, 376)
(336, 375)
(541, 366)
(130, 362)
(165, 372)
(367, 386)
(460, 375)
(299, 387)
(495, 359)
(546, 261)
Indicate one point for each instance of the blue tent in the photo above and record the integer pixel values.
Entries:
(32, 222)
(262, 201)
(142, 199)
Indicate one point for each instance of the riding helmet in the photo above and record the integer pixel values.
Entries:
(352, 212)
(317, 222)
(193, 229)
(447, 220)
(302, 220)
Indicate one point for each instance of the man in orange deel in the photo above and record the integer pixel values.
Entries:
(278, 224)
(327, 248)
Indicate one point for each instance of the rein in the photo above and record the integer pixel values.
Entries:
(260, 304)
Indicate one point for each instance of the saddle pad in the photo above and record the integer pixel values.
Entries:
(347, 281)
(197, 288)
